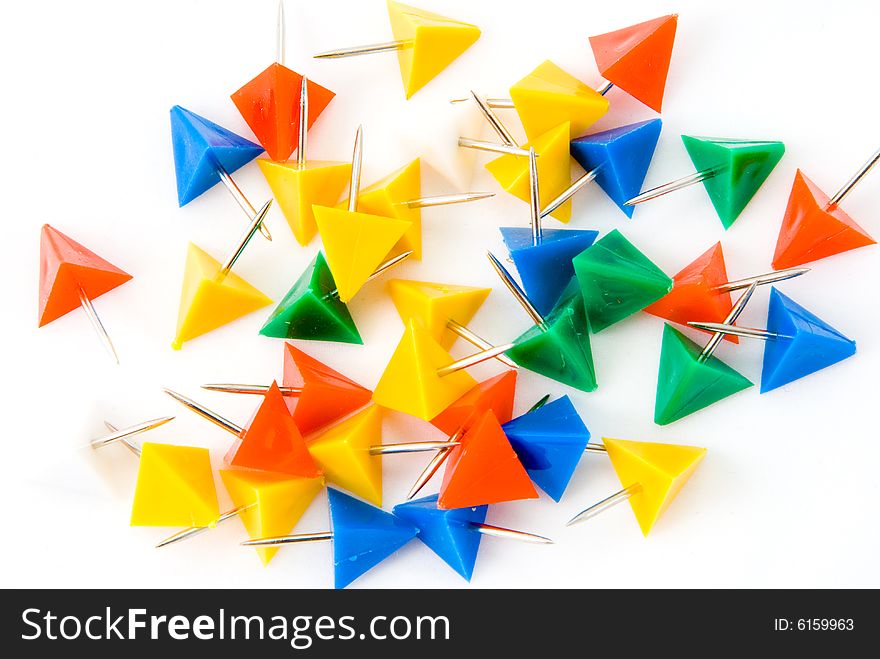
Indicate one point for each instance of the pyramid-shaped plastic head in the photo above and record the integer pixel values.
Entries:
(199, 145)
(66, 268)
(549, 442)
(271, 504)
(617, 280)
(660, 471)
(545, 269)
(410, 383)
(326, 395)
(636, 58)
(388, 196)
(272, 442)
(812, 229)
(622, 156)
(554, 170)
(695, 292)
(742, 166)
(560, 348)
(433, 42)
(207, 301)
(343, 451)
(356, 244)
(175, 487)
(495, 395)
(450, 534)
(363, 536)
(806, 343)
(550, 96)
(318, 183)
(312, 310)
(270, 105)
(685, 384)
(484, 469)
(434, 305)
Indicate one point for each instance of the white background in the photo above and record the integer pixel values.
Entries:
(787, 495)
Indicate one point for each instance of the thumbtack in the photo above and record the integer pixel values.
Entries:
(272, 442)
(212, 295)
(356, 242)
(542, 258)
(690, 378)
(454, 535)
(731, 170)
(71, 276)
(426, 44)
(444, 309)
(798, 342)
(702, 289)
(495, 395)
(206, 154)
(362, 535)
(301, 184)
(269, 105)
(651, 474)
(814, 226)
(312, 310)
(558, 346)
(175, 484)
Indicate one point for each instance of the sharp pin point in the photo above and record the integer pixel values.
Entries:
(131, 431)
(204, 412)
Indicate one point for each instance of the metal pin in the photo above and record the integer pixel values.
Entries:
(731, 318)
(684, 182)
(493, 120)
(745, 332)
(119, 435)
(514, 288)
(92, 315)
(760, 280)
(239, 197)
(850, 184)
(193, 531)
(605, 504)
(494, 103)
(570, 192)
(604, 88)
(491, 147)
(534, 199)
(303, 123)
(387, 47)
(435, 463)
(204, 412)
(131, 446)
(447, 199)
(473, 360)
(478, 341)
(287, 539)
(260, 389)
(387, 265)
(357, 161)
(510, 534)
(411, 447)
(595, 448)
(255, 224)
(279, 50)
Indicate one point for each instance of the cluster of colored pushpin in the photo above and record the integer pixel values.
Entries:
(319, 427)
